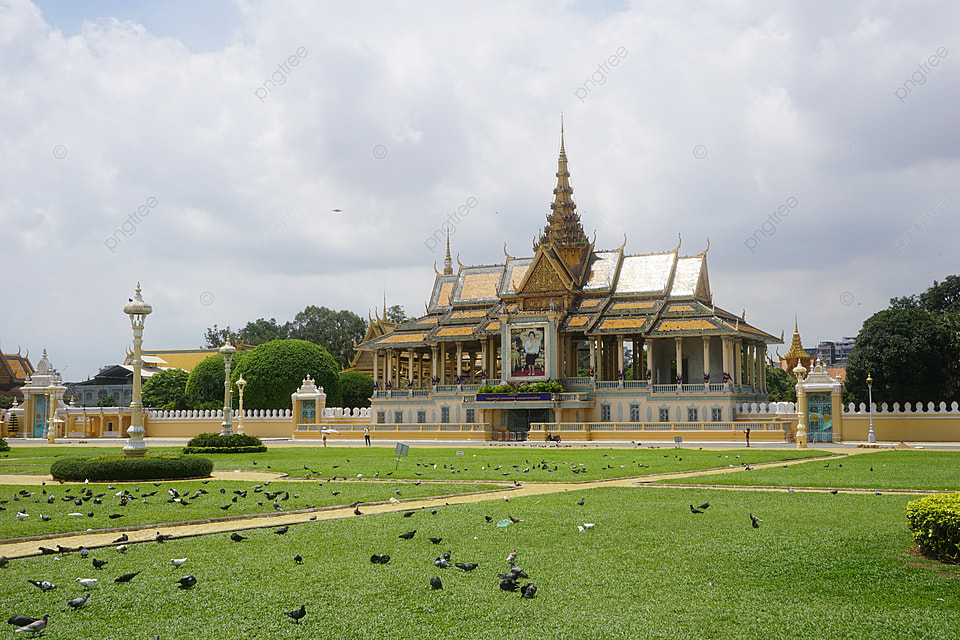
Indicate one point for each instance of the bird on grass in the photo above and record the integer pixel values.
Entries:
(408, 535)
(43, 585)
(441, 563)
(4, 561)
(833, 491)
(177, 561)
(527, 591)
(298, 558)
(236, 537)
(508, 584)
(123, 538)
(435, 540)
(356, 511)
(755, 521)
(160, 537)
(511, 557)
(282, 530)
(46, 551)
(98, 564)
(380, 558)
(187, 581)
(580, 502)
(693, 509)
(466, 566)
(76, 603)
(407, 514)
(705, 505)
(37, 626)
(127, 577)
(297, 614)
(122, 548)
(21, 620)
(87, 583)
(436, 583)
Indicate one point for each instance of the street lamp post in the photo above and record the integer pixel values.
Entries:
(871, 436)
(227, 351)
(241, 383)
(138, 310)
(800, 371)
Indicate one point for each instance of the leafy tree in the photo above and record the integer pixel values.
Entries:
(356, 389)
(336, 331)
(106, 401)
(274, 370)
(204, 388)
(215, 337)
(166, 387)
(261, 331)
(396, 314)
(912, 355)
(781, 387)
(5, 402)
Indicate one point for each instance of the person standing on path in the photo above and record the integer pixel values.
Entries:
(748, 436)
(366, 435)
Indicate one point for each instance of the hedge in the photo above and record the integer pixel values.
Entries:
(118, 468)
(205, 450)
(935, 522)
(3, 445)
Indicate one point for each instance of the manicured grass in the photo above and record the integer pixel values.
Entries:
(819, 566)
(933, 470)
(156, 509)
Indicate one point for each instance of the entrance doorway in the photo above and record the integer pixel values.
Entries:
(819, 418)
(518, 421)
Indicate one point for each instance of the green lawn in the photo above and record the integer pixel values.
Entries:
(936, 470)
(819, 566)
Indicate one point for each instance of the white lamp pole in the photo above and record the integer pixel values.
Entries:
(800, 372)
(227, 351)
(871, 437)
(138, 310)
(241, 383)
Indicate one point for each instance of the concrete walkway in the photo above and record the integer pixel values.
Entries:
(94, 539)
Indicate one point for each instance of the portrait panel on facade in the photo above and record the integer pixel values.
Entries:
(527, 348)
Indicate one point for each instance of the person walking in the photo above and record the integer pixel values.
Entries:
(366, 435)
(748, 436)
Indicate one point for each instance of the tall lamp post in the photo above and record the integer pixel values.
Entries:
(241, 383)
(871, 436)
(227, 351)
(800, 371)
(138, 310)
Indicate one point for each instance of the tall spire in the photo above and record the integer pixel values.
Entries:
(448, 261)
(563, 223)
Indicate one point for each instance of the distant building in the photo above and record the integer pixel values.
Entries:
(15, 370)
(835, 353)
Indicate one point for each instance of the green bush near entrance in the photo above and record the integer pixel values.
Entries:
(935, 522)
(216, 443)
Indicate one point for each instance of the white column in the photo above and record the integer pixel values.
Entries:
(737, 362)
(458, 372)
(679, 356)
(725, 343)
(433, 364)
(409, 367)
(651, 361)
(593, 356)
(376, 367)
(706, 359)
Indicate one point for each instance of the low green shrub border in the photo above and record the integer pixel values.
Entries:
(935, 522)
(118, 468)
(204, 450)
(3, 445)
(217, 441)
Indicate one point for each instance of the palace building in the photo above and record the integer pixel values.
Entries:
(632, 339)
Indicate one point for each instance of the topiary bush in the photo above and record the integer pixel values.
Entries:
(935, 522)
(355, 389)
(119, 468)
(275, 369)
(3, 445)
(216, 443)
(204, 388)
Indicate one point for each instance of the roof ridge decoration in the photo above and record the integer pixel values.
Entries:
(447, 262)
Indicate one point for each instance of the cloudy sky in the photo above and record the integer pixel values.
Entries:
(246, 159)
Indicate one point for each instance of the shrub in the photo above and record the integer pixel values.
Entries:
(355, 389)
(205, 384)
(935, 522)
(168, 387)
(275, 369)
(119, 468)
(3, 445)
(216, 443)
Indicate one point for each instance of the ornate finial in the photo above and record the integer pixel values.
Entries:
(435, 268)
(624, 240)
(679, 242)
(447, 261)
(509, 257)
(458, 260)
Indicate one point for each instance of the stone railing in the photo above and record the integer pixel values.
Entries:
(766, 409)
(210, 414)
(335, 413)
(908, 409)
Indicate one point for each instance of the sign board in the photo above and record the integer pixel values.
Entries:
(459, 453)
(402, 449)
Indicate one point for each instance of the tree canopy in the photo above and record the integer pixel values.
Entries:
(204, 388)
(274, 370)
(167, 387)
(356, 389)
(780, 386)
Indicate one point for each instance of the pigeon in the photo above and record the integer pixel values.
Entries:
(705, 505)
(87, 583)
(160, 537)
(357, 512)
(114, 516)
(37, 626)
(122, 548)
(488, 518)
(177, 561)
(298, 558)
(508, 584)
(282, 530)
(441, 563)
(127, 577)
(833, 492)
(76, 603)
(466, 566)
(84, 552)
(43, 585)
(435, 583)
(98, 564)
(4, 561)
(528, 591)
(236, 537)
(408, 535)
(122, 538)
(580, 502)
(435, 540)
(407, 514)
(877, 493)
(21, 620)
(755, 521)
(46, 551)
(297, 614)
(187, 581)
(446, 555)
(45, 518)
(693, 509)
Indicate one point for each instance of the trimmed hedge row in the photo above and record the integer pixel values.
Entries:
(3, 445)
(203, 450)
(935, 522)
(118, 468)
(217, 441)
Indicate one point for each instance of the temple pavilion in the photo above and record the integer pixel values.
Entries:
(632, 338)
